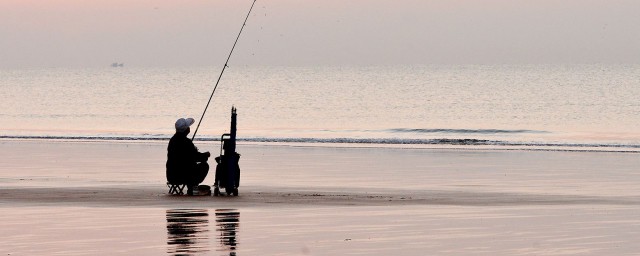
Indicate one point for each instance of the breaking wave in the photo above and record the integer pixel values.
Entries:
(463, 131)
(361, 141)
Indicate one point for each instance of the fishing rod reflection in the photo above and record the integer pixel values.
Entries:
(188, 231)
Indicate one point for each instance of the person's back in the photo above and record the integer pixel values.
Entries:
(180, 157)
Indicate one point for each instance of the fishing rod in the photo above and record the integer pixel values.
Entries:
(223, 68)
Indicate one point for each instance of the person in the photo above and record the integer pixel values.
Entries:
(185, 165)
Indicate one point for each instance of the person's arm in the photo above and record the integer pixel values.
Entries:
(198, 157)
(202, 157)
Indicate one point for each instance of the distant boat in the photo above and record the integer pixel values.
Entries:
(116, 64)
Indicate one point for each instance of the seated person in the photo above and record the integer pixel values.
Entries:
(185, 165)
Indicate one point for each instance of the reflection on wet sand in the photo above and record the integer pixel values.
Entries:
(227, 222)
(187, 231)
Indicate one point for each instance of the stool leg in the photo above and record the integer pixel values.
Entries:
(173, 189)
(177, 189)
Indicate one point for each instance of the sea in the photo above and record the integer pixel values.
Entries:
(592, 107)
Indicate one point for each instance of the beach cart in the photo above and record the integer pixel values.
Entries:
(228, 169)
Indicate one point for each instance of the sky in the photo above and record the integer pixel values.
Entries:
(95, 33)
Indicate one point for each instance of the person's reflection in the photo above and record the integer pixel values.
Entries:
(187, 231)
(227, 222)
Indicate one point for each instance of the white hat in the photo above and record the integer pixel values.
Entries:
(183, 123)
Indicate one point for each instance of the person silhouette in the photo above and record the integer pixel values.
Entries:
(185, 165)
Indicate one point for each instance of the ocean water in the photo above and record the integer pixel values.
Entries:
(585, 107)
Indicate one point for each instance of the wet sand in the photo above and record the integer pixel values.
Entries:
(104, 198)
(266, 197)
(117, 174)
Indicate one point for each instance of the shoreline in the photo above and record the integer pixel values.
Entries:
(497, 147)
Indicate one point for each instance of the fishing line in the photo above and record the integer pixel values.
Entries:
(223, 68)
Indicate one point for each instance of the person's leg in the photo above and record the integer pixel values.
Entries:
(197, 176)
(201, 172)
(190, 179)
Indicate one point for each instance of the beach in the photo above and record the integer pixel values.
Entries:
(101, 198)
(363, 127)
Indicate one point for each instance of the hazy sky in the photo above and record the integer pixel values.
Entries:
(61, 33)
